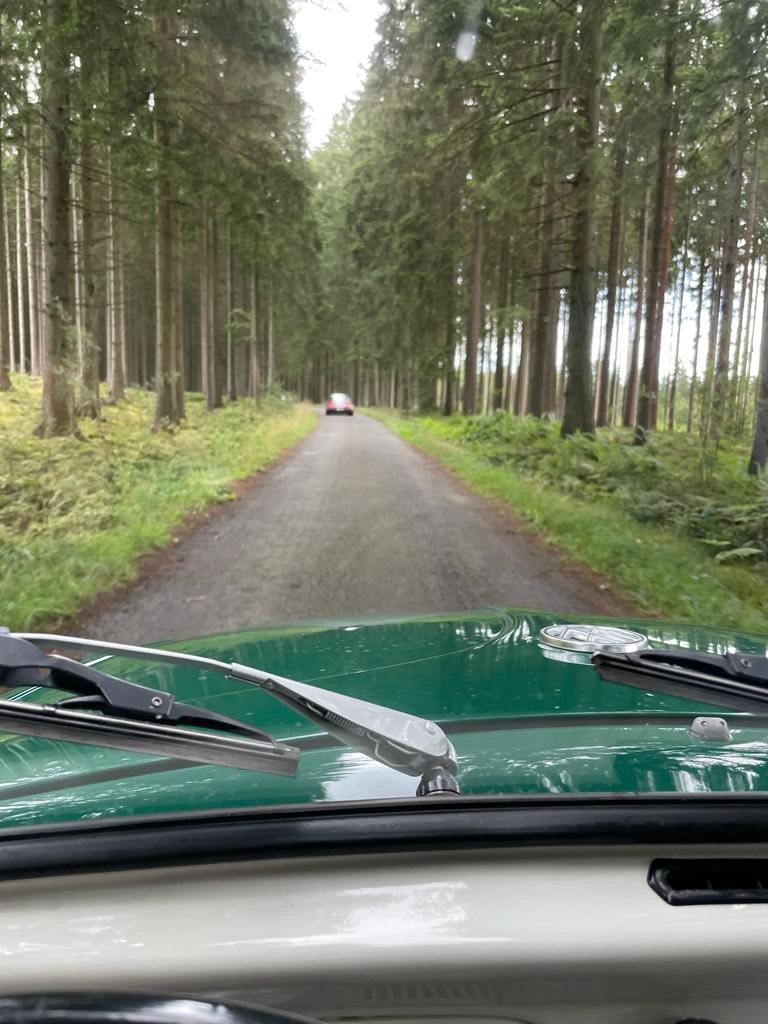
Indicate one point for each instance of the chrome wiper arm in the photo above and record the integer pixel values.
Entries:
(409, 744)
(732, 680)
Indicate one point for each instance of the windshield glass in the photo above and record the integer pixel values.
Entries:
(325, 327)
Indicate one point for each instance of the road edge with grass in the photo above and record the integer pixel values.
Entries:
(659, 571)
(49, 578)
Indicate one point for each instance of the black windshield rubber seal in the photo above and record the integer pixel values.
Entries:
(461, 823)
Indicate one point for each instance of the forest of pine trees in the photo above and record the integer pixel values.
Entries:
(555, 208)
(154, 202)
(549, 207)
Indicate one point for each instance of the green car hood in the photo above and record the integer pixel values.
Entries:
(483, 673)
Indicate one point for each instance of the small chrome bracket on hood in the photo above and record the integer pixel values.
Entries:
(710, 727)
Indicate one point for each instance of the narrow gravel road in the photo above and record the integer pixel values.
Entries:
(353, 522)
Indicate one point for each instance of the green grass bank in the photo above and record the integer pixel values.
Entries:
(76, 516)
(678, 530)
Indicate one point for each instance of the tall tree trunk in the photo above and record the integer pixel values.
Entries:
(114, 268)
(5, 320)
(501, 325)
(22, 295)
(177, 311)
(10, 292)
(759, 455)
(578, 410)
(32, 269)
(648, 403)
(696, 341)
(542, 380)
(523, 367)
(475, 316)
(714, 315)
(217, 326)
(207, 370)
(229, 306)
(743, 396)
(615, 247)
(449, 345)
(673, 385)
(255, 354)
(629, 416)
(747, 277)
(89, 365)
(271, 343)
(728, 278)
(59, 357)
(166, 254)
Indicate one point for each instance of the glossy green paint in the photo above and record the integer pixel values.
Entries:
(483, 666)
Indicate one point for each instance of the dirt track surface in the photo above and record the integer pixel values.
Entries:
(352, 522)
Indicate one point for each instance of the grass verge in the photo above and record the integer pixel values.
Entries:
(658, 570)
(76, 516)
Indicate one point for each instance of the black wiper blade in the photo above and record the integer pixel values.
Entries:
(404, 742)
(732, 680)
(133, 717)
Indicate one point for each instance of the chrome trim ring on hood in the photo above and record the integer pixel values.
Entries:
(591, 639)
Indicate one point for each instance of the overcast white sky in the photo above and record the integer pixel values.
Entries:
(336, 38)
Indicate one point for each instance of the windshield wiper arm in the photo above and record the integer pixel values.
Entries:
(733, 680)
(134, 717)
(406, 743)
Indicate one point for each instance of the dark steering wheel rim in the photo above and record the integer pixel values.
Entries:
(135, 1008)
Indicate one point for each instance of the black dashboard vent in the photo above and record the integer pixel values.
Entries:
(684, 882)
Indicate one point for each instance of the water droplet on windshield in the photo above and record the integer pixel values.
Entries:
(465, 46)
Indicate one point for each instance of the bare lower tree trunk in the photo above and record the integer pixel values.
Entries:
(59, 336)
(523, 367)
(255, 355)
(542, 369)
(615, 247)
(33, 281)
(747, 281)
(742, 384)
(475, 317)
(22, 297)
(229, 306)
(578, 410)
(177, 311)
(114, 266)
(6, 346)
(166, 254)
(629, 416)
(89, 364)
(271, 344)
(673, 385)
(759, 456)
(10, 292)
(696, 341)
(648, 403)
(206, 307)
(728, 277)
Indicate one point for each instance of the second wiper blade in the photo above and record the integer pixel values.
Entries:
(731, 680)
